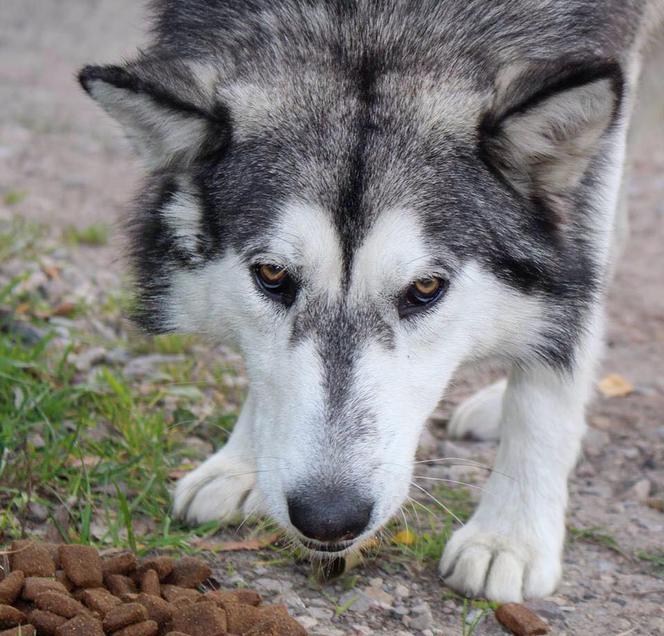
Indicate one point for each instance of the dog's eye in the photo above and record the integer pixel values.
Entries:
(421, 294)
(275, 282)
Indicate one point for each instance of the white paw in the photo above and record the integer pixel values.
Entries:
(478, 417)
(478, 562)
(222, 488)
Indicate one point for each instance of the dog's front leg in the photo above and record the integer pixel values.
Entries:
(512, 546)
(224, 486)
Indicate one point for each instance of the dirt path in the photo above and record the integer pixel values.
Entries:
(69, 161)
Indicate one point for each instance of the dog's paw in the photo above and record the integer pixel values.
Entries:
(479, 416)
(479, 563)
(222, 488)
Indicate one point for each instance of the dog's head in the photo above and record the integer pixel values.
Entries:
(359, 234)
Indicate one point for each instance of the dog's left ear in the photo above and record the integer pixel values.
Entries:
(546, 128)
(164, 107)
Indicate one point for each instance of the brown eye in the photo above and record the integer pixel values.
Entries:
(271, 275)
(275, 282)
(421, 294)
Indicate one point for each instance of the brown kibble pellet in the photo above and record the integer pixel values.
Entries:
(123, 563)
(99, 600)
(150, 583)
(23, 630)
(173, 592)
(60, 604)
(119, 584)
(146, 628)
(176, 634)
(61, 577)
(241, 618)
(520, 620)
(10, 617)
(33, 559)
(189, 572)
(82, 565)
(248, 597)
(158, 609)
(54, 551)
(162, 565)
(182, 601)
(277, 624)
(11, 587)
(46, 622)
(220, 598)
(80, 626)
(35, 585)
(201, 619)
(124, 615)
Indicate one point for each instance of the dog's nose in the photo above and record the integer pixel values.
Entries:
(329, 515)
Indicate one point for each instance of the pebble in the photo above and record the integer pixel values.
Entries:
(321, 614)
(421, 619)
(401, 591)
(640, 491)
(308, 622)
(273, 585)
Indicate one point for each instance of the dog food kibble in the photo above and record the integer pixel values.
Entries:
(31, 558)
(120, 596)
(35, 585)
(46, 622)
(189, 572)
(123, 563)
(146, 628)
(80, 626)
(23, 630)
(11, 587)
(162, 565)
(124, 615)
(118, 584)
(520, 620)
(150, 583)
(82, 565)
(201, 619)
(10, 617)
(60, 604)
(99, 600)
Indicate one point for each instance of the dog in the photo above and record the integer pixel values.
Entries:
(363, 196)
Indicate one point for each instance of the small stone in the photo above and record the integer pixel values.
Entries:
(401, 591)
(82, 565)
(379, 595)
(307, 621)
(321, 614)
(37, 512)
(640, 491)
(422, 618)
(520, 620)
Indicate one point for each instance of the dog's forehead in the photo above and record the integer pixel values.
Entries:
(391, 252)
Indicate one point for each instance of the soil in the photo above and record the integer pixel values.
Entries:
(60, 149)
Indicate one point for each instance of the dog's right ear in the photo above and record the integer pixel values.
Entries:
(164, 110)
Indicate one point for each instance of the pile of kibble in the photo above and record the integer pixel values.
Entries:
(70, 590)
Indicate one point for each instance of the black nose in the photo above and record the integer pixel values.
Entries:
(329, 515)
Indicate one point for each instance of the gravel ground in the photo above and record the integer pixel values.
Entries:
(74, 168)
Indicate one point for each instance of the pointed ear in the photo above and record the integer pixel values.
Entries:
(165, 112)
(547, 130)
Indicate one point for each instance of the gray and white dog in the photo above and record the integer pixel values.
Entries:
(363, 195)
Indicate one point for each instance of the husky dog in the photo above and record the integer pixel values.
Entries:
(362, 196)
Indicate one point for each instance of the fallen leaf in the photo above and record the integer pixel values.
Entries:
(404, 537)
(614, 385)
(52, 271)
(65, 309)
(257, 543)
(22, 309)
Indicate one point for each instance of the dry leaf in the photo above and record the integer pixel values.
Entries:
(404, 537)
(614, 385)
(52, 271)
(64, 309)
(257, 543)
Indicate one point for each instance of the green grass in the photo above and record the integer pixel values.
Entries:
(93, 235)
(655, 559)
(14, 197)
(596, 535)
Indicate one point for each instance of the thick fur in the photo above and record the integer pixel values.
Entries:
(364, 145)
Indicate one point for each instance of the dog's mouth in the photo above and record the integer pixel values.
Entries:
(327, 550)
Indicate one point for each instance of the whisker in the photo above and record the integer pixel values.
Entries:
(442, 505)
(452, 481)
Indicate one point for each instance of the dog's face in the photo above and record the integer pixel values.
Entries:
(357, 246)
